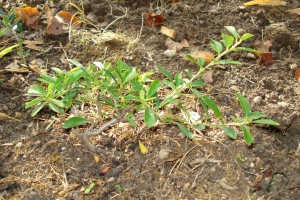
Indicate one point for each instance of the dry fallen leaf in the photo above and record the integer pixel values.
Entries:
(297, 74)
(265, 57)
(104, 170)
(96, 158)
(208, 77)
(295, 11)
(207, 56)
(60, 23)
(172, 45)
(143, 149)
(3, 116)
(266, 3)
(153, 19)
(29, 16)
(184, 43)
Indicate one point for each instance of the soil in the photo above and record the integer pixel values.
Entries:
(38, 162)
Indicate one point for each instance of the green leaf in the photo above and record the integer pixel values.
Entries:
(244, 104)
(188, 72)
(266, 121)
(142, 95)
(185, 131)
(57, 70)
(37, 90)
(230, 132)
(89, 189)
(199, 96)
(246, 36)
(55, 108)
(227, 40)
(257, 115)
(247, 135)
(233, 62)
(129, 118)
(79, 65)
(153, 88)
(33, 102)
(75, 76)
(108, 73)
(137, 86)
(165, 72)
(199, 62)
(130, 75)
(37, 109)
(197, 84)
(75, 121)
(198, 127)
(169, 83)
(58, 103)
(168, 100)
(47, 79)
(178, 80)
(212, 105)
(216, 46)
(2, 13)
(132, 98)
(149, 117)
(233, 31)
(247, 49)
(7, 50)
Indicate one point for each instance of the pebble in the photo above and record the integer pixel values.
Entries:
(257, 100)
(63, 148)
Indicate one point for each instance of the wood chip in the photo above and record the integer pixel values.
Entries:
(168, 32)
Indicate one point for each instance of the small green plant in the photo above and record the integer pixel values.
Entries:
(126, 94)
(12, 26)
(240, 157)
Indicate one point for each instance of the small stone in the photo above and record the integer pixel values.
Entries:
(91, 16)
(63, 148)
(18, 115)
(283, 104)
(257, 100)
(212, 169)
(164, 153)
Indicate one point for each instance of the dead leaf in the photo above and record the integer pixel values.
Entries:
(32, 45)
(184, 43)
(297, 74)
(295, 11)
(208, 77)
(265, 57)
(266, 3)
(153, 19)
(3, 116)
(104, 170)
(29, 16)
(172, 45)
(36, 66)
(174, 1)
(60, 23)
(143, 148)
(96, 158)
(258, 179)
(207, 56)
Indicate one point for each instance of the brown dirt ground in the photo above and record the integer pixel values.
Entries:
(36, 163)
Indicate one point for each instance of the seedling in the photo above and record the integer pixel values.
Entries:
(12, 27)
(240, 157)
(126, 94)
